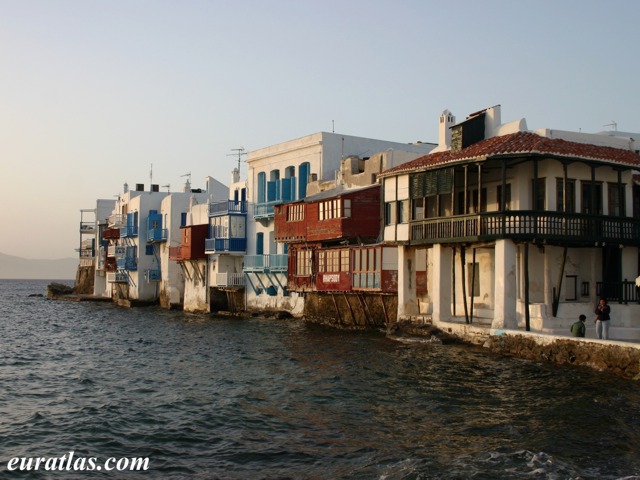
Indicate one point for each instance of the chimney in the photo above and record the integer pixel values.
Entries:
(235, 175)
(447, 119)
(126, 187)
(492, 121)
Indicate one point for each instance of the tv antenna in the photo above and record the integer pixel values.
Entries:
(187, 175)
(612, 124)
(239, 152)
(167, 186)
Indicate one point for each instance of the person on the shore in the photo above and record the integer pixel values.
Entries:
(603, 312)
(578, 329)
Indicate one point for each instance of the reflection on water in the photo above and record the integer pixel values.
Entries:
(207, 397)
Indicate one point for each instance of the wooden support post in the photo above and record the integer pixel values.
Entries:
(473, 283)
(335, 304)
(384, 309)
(353, 317)
(527, 315)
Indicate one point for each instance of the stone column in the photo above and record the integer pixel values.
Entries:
(440, 291)
(504, 314)
(407, 302)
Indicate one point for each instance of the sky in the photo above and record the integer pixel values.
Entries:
(94, 93)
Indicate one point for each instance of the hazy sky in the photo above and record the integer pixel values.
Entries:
(94, 92)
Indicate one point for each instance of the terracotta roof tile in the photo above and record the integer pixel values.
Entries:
(522, 143)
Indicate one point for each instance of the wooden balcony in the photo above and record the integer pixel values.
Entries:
(555, 228)
(175, 253)
(111, 234)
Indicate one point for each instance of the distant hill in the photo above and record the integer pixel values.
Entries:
(25, 268)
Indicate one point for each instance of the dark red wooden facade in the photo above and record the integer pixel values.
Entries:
(371, 268)
(192, 246)
(327, 218)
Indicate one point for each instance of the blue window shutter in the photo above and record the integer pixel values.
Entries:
(262, 183)
(286, 189)
(303, 179)
(260, 243)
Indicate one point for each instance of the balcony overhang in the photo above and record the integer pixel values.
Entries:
(554, 228)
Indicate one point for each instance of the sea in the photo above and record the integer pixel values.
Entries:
(89, 384)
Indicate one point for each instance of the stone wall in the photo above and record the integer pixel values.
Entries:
(615, 357)
(84, 280)
(350, 310)
(619, 358)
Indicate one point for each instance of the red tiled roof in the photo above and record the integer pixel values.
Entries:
(522, 143)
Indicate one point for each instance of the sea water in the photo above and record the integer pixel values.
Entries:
(209, 397)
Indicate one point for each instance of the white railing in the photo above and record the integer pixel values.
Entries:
(117, 251)
(229, 279)
(117, 220)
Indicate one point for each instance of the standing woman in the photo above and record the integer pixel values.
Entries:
(602, 319)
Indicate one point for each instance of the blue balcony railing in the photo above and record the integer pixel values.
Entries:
(265, 263)
(227, 207)
(264, 210)
(153, 275)
(127, 263)
(157, 235)
(222, 245)
(129, 231)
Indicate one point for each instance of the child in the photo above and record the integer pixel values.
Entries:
(578, 329)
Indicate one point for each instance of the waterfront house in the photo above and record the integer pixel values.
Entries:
(189, 255)
(335, 258)
(515, 228)
(212, 249)
(226, 246)
(282, 173)
(137, 263)
(178, 211)
(90, 277)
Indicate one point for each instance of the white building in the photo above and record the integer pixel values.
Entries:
(90, 277)
(515, 228)
(282, 173)
(189, 278)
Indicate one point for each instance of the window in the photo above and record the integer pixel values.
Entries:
(303, 263)
(149, 249)
(332, 209)
(295, 213)
(507, 198)
(367, 267)
(591, 198)
(183, 219)
(346, 208)
(473, 201)
(539, 193)
(390, 213)
(616, 203)
(403, 211)
(571, 195)
(417, 209)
